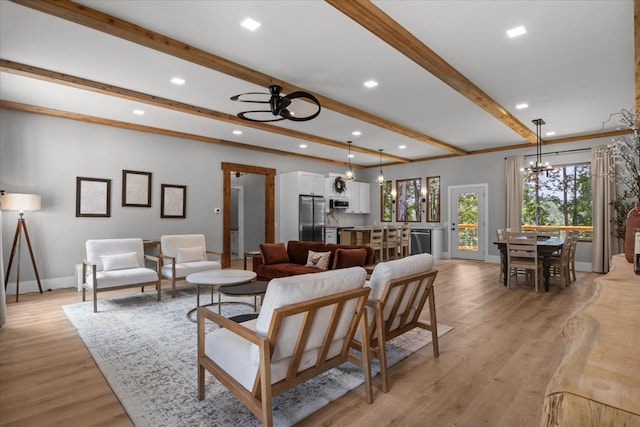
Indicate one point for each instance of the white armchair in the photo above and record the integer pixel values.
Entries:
(305, 327)
(186, 254)
(399, 291)
(115, 264)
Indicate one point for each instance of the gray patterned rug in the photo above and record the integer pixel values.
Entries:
(147, 352)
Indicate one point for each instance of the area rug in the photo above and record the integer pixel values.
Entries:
(147, 351)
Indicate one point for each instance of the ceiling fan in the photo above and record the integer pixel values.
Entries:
(278, 105)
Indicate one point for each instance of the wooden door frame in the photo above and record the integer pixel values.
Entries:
(269, 204)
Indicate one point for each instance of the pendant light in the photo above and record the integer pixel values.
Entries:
(537, 166)
(349, 173)
(380, 179)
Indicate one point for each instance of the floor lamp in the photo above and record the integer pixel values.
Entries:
(21, 203)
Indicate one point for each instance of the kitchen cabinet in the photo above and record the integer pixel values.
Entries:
(359, 197)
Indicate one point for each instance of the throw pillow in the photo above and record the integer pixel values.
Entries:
(345, 258)
(319, 260)
(120, 261)
(190, 254)
(273, 253)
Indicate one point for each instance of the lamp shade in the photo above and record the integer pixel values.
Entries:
(20, 202)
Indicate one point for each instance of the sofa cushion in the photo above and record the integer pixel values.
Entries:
(184, 269)
(298, 250)
(285, 269)
(190, 254)
(120, 261)
(319, 260)
(273, 253)
(344, 258)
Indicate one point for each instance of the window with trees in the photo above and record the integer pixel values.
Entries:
(561, 198)
(408, 200)
(386, 202)
(433, 199)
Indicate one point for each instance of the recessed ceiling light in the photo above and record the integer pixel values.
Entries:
(356, 133)
(350, 156)
(138, 112)
(370, 83)
(550, 133)
(178, 81)
(237, 132)
(522, 106)
(250, 24)
(517, 31)
(302, 145)
(402, 147)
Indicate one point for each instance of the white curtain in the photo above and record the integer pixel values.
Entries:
(3, 298)
(513, 191)
(603, 190)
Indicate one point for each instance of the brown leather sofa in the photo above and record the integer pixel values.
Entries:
(277, 260)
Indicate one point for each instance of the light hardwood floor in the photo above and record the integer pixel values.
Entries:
(493, 367)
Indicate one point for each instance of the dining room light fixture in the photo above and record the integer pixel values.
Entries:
(349, 173)
(536, 166)
(380, 179)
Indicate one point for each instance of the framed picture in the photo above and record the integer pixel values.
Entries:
(174, 201)
(93, 197)
(136, 189)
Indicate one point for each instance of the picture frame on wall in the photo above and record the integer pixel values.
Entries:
(136, 189)
(173, 203)
(93, 197)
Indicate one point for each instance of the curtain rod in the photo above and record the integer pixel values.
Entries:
(555, 153)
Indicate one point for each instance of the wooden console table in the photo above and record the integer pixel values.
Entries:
(598, 380)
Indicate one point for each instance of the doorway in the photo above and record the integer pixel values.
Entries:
(269, 204)
(468, 211)
(237, 221)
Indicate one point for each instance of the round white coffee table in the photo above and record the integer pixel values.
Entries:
(214, 279)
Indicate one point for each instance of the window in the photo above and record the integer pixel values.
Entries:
(559, 198)
(386, 202)
(408, 201)
(433, 199)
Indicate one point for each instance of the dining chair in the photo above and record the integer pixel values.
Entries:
(560, 264)
(391, 243)
(376, 243)
(522, 253)
(572, 256)
(405, 236)
(500, 234)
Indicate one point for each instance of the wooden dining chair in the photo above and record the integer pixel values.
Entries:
(405, 236)
(391, 243)
(522, 253)
(560, 264)
(376, 243)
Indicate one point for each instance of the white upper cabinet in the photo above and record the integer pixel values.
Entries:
(359, 197)
(300, 182)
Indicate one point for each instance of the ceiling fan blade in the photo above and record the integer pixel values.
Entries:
(240, 99)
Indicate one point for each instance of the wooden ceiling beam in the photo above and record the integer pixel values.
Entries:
(383, 26)
(91, 18)
(105, 89)
(16, 106)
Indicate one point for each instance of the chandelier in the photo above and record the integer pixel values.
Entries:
(380, 179)
(536, 167)
(349, 173)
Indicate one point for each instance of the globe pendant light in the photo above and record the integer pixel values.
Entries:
(380, 179)
(349, 173)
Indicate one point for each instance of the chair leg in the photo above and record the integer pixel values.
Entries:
(200, 382)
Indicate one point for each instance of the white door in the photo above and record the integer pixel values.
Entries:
(468, 211)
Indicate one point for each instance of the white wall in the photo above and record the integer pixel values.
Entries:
(44, 155)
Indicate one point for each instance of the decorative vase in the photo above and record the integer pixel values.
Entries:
(633, 221)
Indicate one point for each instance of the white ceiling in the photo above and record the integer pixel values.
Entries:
(574, 67)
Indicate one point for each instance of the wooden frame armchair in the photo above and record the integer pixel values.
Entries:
(400, 289)
(294, 338)
(186, 253)
(115, 264)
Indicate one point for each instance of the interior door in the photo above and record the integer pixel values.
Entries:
(468, 222)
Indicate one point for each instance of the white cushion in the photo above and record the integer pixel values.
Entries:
(120, 261)
(386, 271)
(190, 254)
(169, 244)
(131, 276)
(98, 248)
(319, 260)
(183, 270)
(293, 289)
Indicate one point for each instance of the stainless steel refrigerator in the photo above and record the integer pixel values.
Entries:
(311, 222)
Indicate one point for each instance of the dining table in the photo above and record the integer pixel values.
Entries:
(546, 248)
